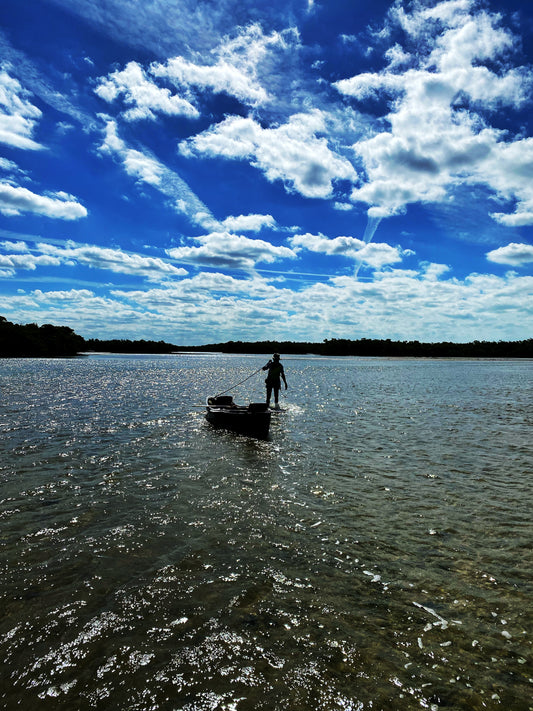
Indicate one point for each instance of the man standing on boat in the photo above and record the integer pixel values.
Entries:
(273, 379)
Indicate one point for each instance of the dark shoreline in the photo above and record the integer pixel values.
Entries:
(384, 348)
(47, 341)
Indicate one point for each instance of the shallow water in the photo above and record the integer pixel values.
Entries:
(374, 553)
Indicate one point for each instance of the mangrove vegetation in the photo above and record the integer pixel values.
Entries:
(50, 341)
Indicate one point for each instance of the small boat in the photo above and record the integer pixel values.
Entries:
(252, 420)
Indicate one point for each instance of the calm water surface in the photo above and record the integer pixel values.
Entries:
(375, 553)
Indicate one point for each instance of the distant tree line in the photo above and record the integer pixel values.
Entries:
(47, 341)
(121, 345)
(34, 341)
(378, 348)
(31, 340)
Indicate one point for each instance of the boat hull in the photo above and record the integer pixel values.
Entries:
(252, 421)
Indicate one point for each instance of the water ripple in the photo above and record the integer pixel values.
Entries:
(374, 553)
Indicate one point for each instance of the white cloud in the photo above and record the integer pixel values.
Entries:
(143, 95)
(432, 271)
(520, 218)
(509, 168)
(514, 254)
(196, 289)
(18, 116)
(439, 136)
(137, 164)
(18, 247)
(248, 223)
(147, 169)
(233, 67)
(397, 57)
(159, 26)
(375, 255)
(240, 66)
(343, 206)
(221, 77)
(21, 256)
(11, 263)
(396, 303)
(230, 251)
(16, 200)
(115, 260)
(291, 152)
(80, 309)
(8, 166)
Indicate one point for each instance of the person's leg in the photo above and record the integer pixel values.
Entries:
(269, 394)
(276, 396)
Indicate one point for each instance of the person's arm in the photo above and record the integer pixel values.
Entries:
(284, 379)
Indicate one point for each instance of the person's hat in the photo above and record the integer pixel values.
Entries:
(276, 356)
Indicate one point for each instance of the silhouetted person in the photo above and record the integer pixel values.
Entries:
(273, 379)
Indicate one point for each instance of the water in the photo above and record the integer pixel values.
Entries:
(374, 553)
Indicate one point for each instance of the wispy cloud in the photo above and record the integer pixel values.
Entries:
(115, 260)
(21, 256)
(234, 67)
(146, 169)
(32, 77)
(162, 25)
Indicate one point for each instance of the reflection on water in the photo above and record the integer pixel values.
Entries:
(374, 553)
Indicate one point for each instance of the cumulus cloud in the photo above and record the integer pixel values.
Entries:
(221, 77)
(77, 308)
(375, 255)
(137, 164)
(18, 247)
(248, 223)
(144, 97)
(237, 223)
(223, 249)
(16, 200)
(233, 67)
(11, 263)
(520, 218)
(19, 257)
(238, 65)
(292, 152)
(396, 303)
(442, 87)
(516, 255)
(18, 116)
(195, 289)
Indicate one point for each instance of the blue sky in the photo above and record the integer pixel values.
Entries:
(201, 172)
